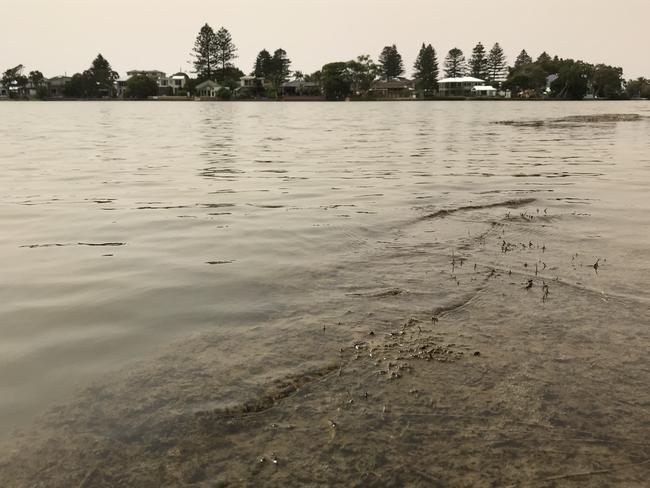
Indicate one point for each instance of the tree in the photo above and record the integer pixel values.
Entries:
(478, 63)
(455, 64)
(362, 74)
(315, 77)
(573, 80)
(639, 88)
(102, 76)
(97, 81)
(607, 81)
(36, 78)
(141, 87)
(336, 81)
(528, 79)
(298, 76)
(496, 65)
(226, 51)
(523, 59)
(14, 80)
(280, 69)
(263, 65)
(426, 71)
(205, 53)
(390, 61)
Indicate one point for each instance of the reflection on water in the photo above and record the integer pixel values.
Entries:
(126, 226)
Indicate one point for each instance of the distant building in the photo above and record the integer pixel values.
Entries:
(458, 87)
(3, 91)
(173, 85)
(208, 89)
(300, 88)
(120, 87)
(153, 74)
(56, 86)
(398, 88)
(484, 91)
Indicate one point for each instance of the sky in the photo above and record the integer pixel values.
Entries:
(63, 36)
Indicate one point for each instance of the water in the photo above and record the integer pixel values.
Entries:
(127, 229)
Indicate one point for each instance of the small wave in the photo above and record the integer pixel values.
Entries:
(440, 214)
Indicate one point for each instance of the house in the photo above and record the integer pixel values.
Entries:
(120, 87)
(484, 91)
(301, 88)
(153, 74)
(56, 86)
(208, 89)
(458, 87)
(398, 88)
(178, 82)
(4, 93)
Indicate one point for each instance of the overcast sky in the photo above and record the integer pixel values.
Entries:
(63, 36)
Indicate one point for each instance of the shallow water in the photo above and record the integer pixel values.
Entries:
(127, 227)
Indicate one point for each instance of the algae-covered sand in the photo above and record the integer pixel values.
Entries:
(478, 346)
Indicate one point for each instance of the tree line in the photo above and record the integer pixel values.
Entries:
(214, 53)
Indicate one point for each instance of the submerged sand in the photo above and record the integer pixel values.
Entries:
(494, 357)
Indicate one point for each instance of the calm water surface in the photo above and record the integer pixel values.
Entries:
(126, 226)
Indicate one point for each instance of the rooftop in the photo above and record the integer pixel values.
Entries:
(464, 79)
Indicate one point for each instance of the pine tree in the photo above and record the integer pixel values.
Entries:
(496, 65)
(523, 59)
(426, 70)
(263, 63)
(280, 68)
(225, 50)
(205, 53)
(478, 63)
(390, 62)
(455, 64)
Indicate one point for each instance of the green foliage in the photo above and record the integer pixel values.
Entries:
(14, 80)
(362, 74)
(496, 63)
(523, 59)
(390, 62)
(205, 53)
(224, 94)
(608, 81)
(141, 87)
(529, 77)
(478, 63)
(225, 49)
(263, 65)
(426, 71)
(455, 64)
(230, 77)
(95, 82)
(639, 88)
(335, 78)
(36, 78)
(280, 69)
(573, 80)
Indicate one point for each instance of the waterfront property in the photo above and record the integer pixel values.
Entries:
(395, 89)
(208, 89)
(56, 86)
(302, 89)
(484, 91)
(459, 87)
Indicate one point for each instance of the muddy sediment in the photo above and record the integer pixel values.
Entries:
(489, 360)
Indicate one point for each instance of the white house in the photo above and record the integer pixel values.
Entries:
(458, 87)
(484, 91)
(208, 89)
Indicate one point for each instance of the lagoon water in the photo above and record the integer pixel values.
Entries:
(127, 229)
